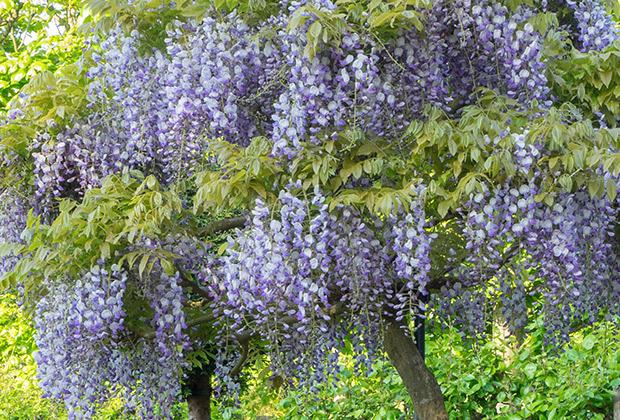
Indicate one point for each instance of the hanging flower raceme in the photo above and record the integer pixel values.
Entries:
(305, 277)
(13, 214)
(564, 251)
(596, 27)
(77, 327)
(81, 325)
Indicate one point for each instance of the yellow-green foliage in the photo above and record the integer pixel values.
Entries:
(20, 395)
(495, 379)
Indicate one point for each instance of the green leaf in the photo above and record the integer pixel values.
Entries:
(606, 77)
(444, 207)
(105, 250)
(501, 396)
(168, 266)
(143, 262)
(594, 187)
(530, 370)
(315, 29)
(589, 341)
(151, 181)
(221, 250)
(553, 162)
(612, 191)
(383, 18)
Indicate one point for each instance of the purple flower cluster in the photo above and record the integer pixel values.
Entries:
(305, 278)
(154, 111)
(595, 26)
(166, 297)
(493, 222)
(464, 305)
(73, 161)
(497, 50)
(214, 67)
(414, 68)
(159, 361)
(339, 87)
(13, 213)
(411, 245)
(80, 325)
(564, 252)
(77, 328)
(572, 247)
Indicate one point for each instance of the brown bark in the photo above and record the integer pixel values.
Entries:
(421, 384)
(199, 400)
(617, 405)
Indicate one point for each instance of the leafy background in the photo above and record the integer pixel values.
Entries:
(501, 378)
(498, 379)
(36, 36)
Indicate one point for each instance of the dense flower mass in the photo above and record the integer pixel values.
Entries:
(497, 49)
(304, 278)
(596, 28)
(308, 272)
(520, 240)
(220, 77)
(77, 328)
(82, 325)
(13, 210)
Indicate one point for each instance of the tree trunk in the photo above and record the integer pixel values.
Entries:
(199, 400)
(422, 386)
(617, 405)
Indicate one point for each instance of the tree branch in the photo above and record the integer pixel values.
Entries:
(201, 320)
(191, 323)
(443, 278)
(188, 281)
(245, 350)
(420, 382)
(244, 337)
(223, 225)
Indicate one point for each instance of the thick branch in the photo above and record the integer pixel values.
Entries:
(245, 351)
(201, 320)
(333, 312)
(223, 225)
(191, 323)
(421, 384)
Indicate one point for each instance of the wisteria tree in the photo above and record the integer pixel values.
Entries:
(213, 180)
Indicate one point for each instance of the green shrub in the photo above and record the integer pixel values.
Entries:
(20, 395)
(497, 379)
(503, 380)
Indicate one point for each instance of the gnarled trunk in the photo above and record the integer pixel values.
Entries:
(199, 400)
(421, 384)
